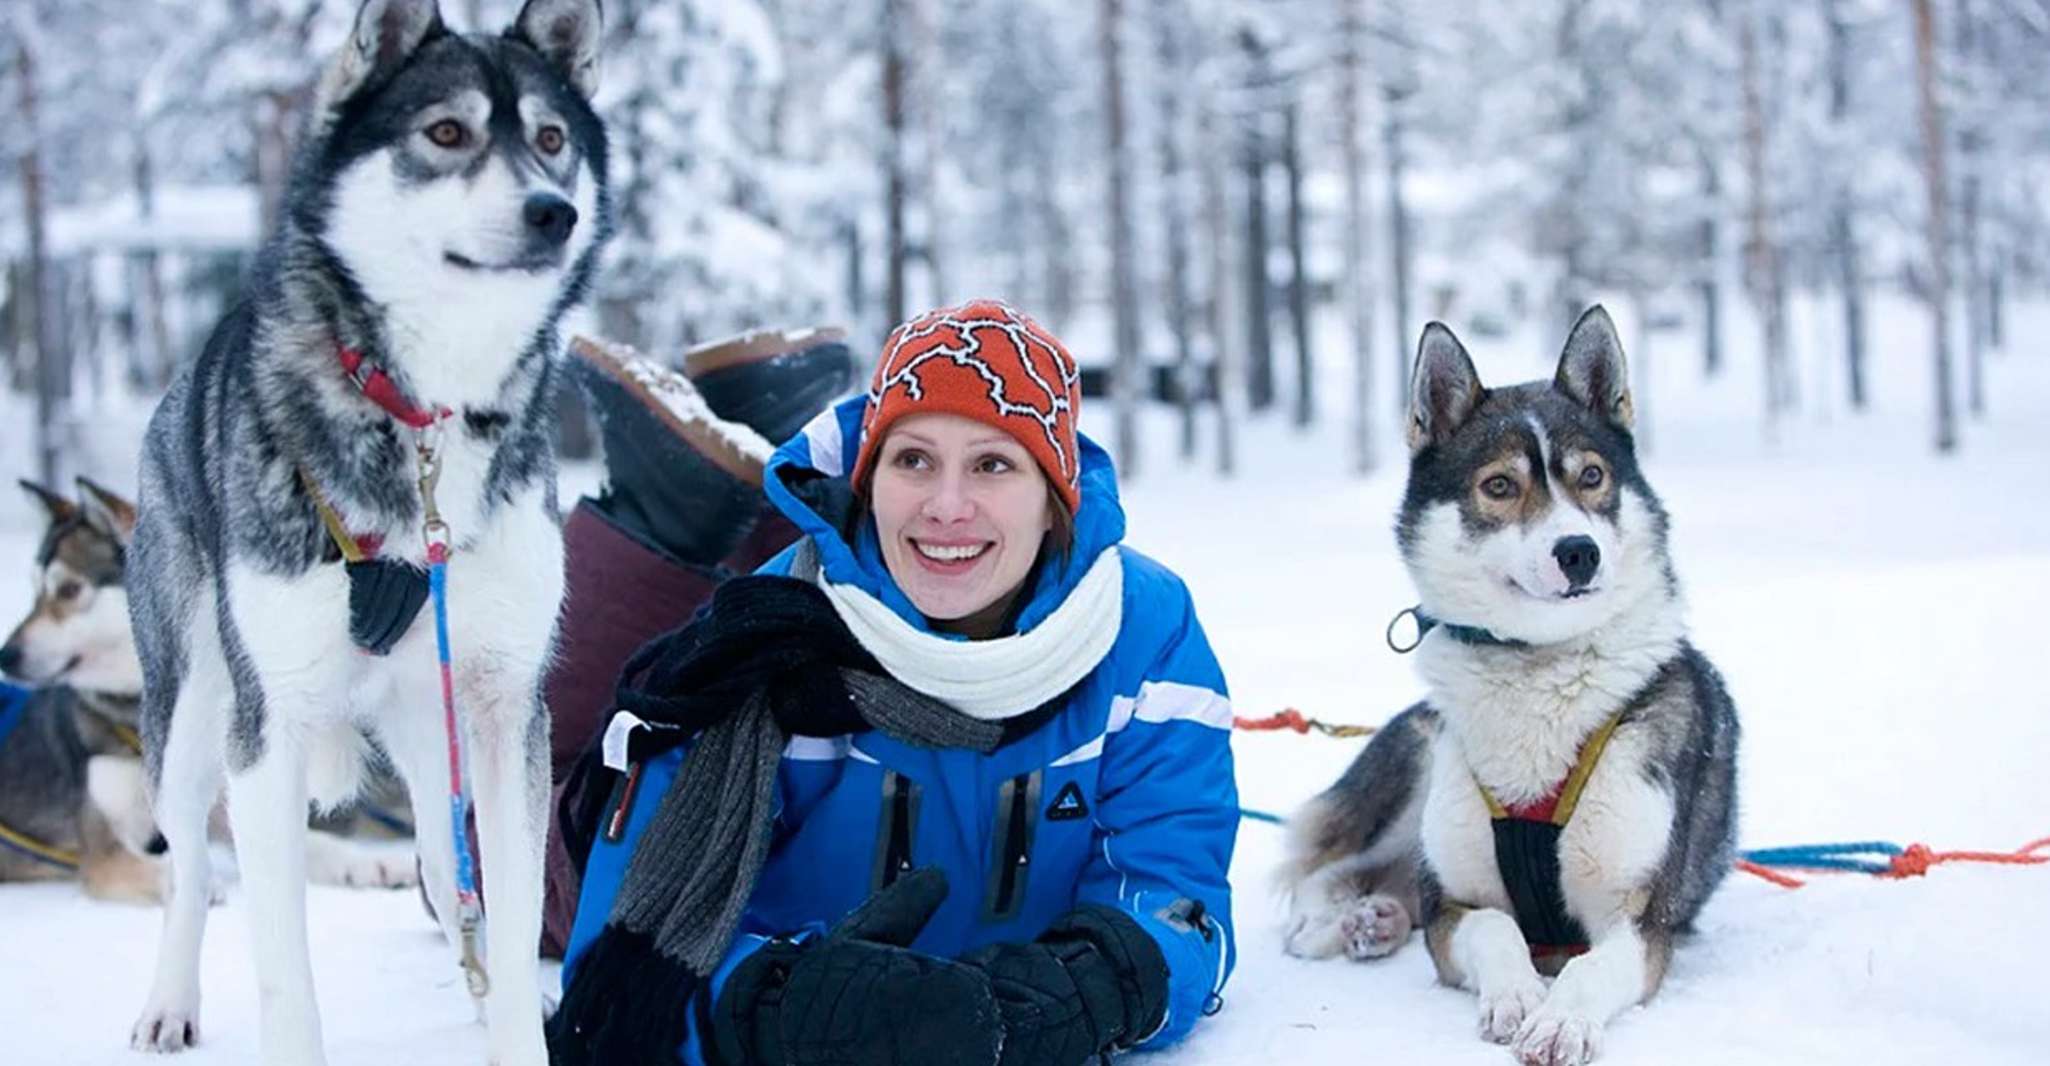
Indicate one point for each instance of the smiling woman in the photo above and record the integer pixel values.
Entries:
(949, 781)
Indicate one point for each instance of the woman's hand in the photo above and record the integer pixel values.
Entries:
(859, 996)
(1093, 983)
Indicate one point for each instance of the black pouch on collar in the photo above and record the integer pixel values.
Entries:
(384, 598)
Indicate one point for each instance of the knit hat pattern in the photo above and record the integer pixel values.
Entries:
(986, 361)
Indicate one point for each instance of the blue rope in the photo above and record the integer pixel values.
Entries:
(1851, 856)
(1261, 816)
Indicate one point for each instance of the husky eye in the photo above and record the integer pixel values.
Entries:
(448, 133)
(69, 590)
(550, 140)
(1499, 487)
(1592, 477)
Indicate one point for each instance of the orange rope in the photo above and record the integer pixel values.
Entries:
(1769, 874)
(1295, 721)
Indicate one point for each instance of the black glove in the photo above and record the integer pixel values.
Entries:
(1094, 983)
(859, 997)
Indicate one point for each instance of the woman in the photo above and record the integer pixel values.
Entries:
(961, 792)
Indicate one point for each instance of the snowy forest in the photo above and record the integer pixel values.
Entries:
(1822, 228)
(1182, 187)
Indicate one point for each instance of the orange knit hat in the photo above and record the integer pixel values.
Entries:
(985, 361)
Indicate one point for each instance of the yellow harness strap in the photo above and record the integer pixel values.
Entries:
(54, 855)
(1576, 780)
(336, 531)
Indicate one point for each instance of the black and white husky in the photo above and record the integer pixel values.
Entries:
(445, 212)
(1563, 800)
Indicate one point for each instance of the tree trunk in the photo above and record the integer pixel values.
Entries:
(1126, 370)
(1711, 284)
(151, 373)
(857, 284)
(35, 302)
(1933, 174)
(1298, 272)
(1843, 231)
(1764, 266)
(1224, 303)
(1996, 304)
(1971, 162)
(1359, 285)
(928, 73)
(1174, 217)
(1392, 136)
(895, 298)
(1259, 341)
(1640, 365)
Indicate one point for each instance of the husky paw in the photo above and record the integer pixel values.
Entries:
(1362, 928)
(1503, 1011)
(1373, 927)
(1557, 1038)
(165, 1030)
(359, 864)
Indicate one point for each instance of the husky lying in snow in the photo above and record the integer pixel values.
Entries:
(72, 801)
(1563, 800)
(72, 794)
(445, 211)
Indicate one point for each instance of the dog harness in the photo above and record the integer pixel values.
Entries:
(11, 713)
(1527, 853)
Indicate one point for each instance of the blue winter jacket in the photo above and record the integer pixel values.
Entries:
(1128, 791)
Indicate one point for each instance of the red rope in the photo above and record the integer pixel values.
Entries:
(1296, 722)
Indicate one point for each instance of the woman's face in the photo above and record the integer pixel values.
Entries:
(960, 508)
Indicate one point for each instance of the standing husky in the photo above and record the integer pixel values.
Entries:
(445, 211)
(1564, 798)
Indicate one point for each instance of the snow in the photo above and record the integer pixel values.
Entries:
(1876, 610)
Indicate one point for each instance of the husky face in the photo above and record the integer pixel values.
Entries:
(461, 172)
(1526, 514)
(77, 632)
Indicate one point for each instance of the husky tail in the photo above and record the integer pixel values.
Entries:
(1351, 866)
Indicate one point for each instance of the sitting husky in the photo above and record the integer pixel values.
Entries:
(389, 380)
(1563, 800)
(72, 794)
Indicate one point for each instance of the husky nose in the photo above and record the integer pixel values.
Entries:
(1579, 557)
(10, 659)
(549, 217)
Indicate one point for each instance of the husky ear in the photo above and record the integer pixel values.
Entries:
(56, 507)
(567, 33)
(385, 35)
(106, 511)
(1443, 388)
(1592, 371)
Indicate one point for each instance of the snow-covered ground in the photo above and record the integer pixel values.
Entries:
(1878, 612)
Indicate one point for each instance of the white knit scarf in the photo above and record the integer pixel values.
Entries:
(1002, 677)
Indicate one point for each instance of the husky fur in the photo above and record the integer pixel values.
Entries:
(1499, 509)
(71, 777)
(425, 252)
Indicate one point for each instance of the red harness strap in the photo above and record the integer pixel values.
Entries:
(371, 380)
